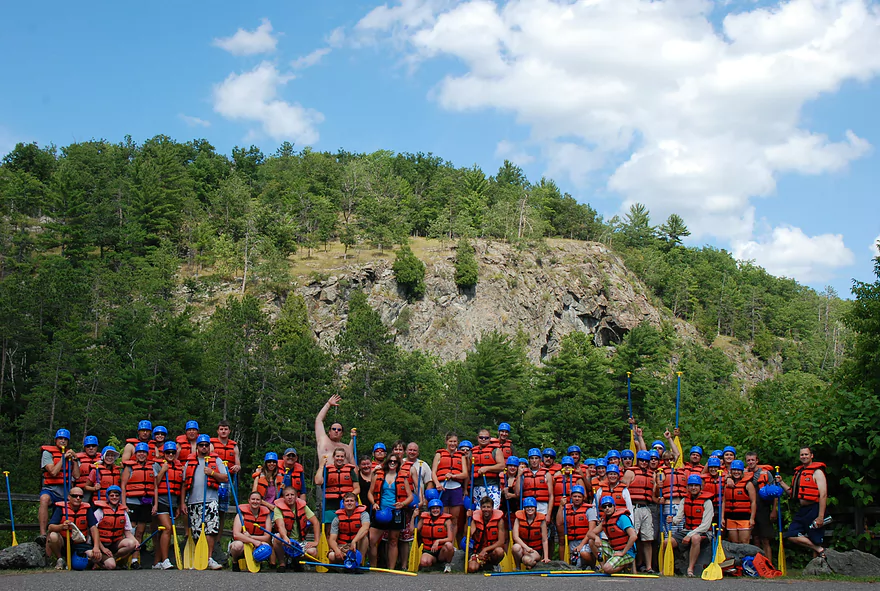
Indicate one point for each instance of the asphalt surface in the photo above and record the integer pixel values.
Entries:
(226, 580)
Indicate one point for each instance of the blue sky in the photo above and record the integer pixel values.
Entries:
(756, 121)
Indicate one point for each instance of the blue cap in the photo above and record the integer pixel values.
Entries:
(90, 440)
(729, 448)
(643, 455)
(504, 427)
(612, 469)
(607, 500)
(697, 450)
(142, 447)
(432, 493)
(549, 452)
(113, 488)
(658, 442)
(535, 452)
(169, 446)
(737, 465)
(653, 454)
(435, 503)
(567, 461)
(62, 433)
(590, 462)
(379, 446)
(627, 454)
(573, 448)
(270, 456)
(291, 450)
(109, 448)
(145, 426)
(203, 438)
(612, 453)
(529, 502)
(577, 488)
(512, 461)
(191, 425)
(714, 462)
(524, 461)
(601, 463)
(695, 479)
(716, 454)
(159, 429)
(467, 444)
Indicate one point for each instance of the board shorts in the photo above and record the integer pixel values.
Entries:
(491, 490)
(800, 524)
(212, 519)
(56, 498)
(616, 561)
(737, 525)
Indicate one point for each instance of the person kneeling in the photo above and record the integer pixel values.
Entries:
(697, 512)
(620, 536)
(255, 515)
(435, 533)
(349, 530)
(115, 535)
(530, 543)
(490, 537)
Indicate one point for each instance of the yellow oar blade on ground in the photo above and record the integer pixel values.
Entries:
(323, 550)
(189, 553)
(415, 556)
(252, 565)
(662, 551)
(508, 564)
(201, 558)
(177, 559)
(669, 558)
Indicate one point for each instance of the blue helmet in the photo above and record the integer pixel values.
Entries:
(716, 453)
(577, 488)
(535, 452)
(695, 479)
(567, 461)
(159, 429)
(737, 465)
(78, 561)
(729, 448)
(627, 454)
(601, 463)
(379, 445)
(658, 442)
(512, 461)
(655, 455)
(466, 444)
(145, 426)
(612, 453)
(714, 462)
(643, 455)
(573, 448)
(435, 503)
(606, 500)
(109, 448)
(524, 461)
(549, 452)
(529, 502)
(383, 515)
(169, 446)
(203, 438)
(504, 427)
(90, 440)
(142, 447)
(432, 493)
(262, 552)
(62, 433)
(590, 462)
(191, 425)
(697, 450)
(613, 469)
(270, 456)
(113, 488)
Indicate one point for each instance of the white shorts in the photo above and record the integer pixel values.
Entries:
(643, 521)
(542, 507)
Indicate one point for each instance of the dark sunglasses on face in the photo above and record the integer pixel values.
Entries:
(335, 429)
(73, 496)
(606, 505)
(483, 437)
(203, 445)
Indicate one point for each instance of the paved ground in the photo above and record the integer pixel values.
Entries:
(229, 581)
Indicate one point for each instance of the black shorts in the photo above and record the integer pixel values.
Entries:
(763, 525)
(396, 523)
(140, 513)
(800, 524)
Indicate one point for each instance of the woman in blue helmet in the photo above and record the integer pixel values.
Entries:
(389, 494)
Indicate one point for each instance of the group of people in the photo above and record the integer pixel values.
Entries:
(609, 513)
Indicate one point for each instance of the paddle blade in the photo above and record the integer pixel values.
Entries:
(323, 549)
(189, 553)
(14, 541)
(632, 442)
(415, 556)
(680, 461)
(252, 565)
(719, 553)
(201, 558)
(662, 551)
(780, 560)
(177, 559)
(712, 573)
(669, 558)
(508, 564)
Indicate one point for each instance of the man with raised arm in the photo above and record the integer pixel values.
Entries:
(328, 441)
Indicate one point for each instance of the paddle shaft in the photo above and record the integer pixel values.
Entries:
(366, 568)
(150, 537)
(677, 400)
(11, 516)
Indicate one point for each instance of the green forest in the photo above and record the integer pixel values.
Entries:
(106, 250)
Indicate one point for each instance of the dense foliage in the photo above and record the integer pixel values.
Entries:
(111, 256)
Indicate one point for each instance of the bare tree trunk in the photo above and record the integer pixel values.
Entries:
(247, 237)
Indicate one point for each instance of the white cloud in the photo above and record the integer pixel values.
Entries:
(310, 59)
(702, 118)
(253, 96)
(253, 42)
(875, 247)
(507, 150)
(194, 121)
(791, 253)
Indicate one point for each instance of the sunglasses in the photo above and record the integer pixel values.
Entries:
(72, 496)
(203, 445)
(393, 462)
(335, 429)
(483, 437)
(114, 494)
(606, 505)
(170, 451)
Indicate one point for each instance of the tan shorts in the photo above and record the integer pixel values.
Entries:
(643, 520)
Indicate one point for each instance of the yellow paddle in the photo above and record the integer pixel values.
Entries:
(415, 549)
(11, 516)
(252, 565)
(65, 469)
(177, 559)
(669, 555)
(201, 556)
(189, 552)
(713, 571)
(780, 558)
(323, 546)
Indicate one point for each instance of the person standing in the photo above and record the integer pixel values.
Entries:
(389, 493)
(488, 463)
(137, 483)
(738, 509)
(503, 440)
(765, 511)
(54, 464)
(202, 475)
(341, 479)
(809, 487)
(144, 433)
(167, 489)
(450, 472)
(294, 475)
(229, 453)
(328, 441)
(87, 458)
(187, 443)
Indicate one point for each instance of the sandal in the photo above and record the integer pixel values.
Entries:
(691, 575)
(821, 554)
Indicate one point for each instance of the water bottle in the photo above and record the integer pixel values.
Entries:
(223, 493)
(825, 522)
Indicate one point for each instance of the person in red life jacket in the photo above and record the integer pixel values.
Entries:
(661, 483)
(268, 478)
(115, 535)
(436, 531)
(450, 470)
(614, 536)
(627, 460)
(503, 440)
(765, 512)
(379, 454)
(364, 474)
(164, 489)
(510, 493)
(613, 457)
(292, 518)
(73, 512)
(105, 472)
(294, 474)
(487, 465)
(489, 536)
(548, 457)
(144, 434)
(467, 448)
(615, 489)
(421, 479)
(350, 528)
(740, 504)
(530, 542)
(810, 488)
(328, 441)
(694, 517)
(202, 475)
(712, 483)
(580, 518)
(54, 462)
(246, 527)
(86, 459)
(694, 464)
(728, 454)
(537, 482)
(589, 469)
(138, 486)
(561, 484)
(187, 443)
(160, 437)
(574, 452)
(645, 509)
(227, 450)
(601, 477)
(342, 478)
(389, 493)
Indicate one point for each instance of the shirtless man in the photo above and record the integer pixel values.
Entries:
(329, 440)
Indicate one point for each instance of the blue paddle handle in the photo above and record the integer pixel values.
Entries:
(9, 498)
(170, 504)
(205, 493)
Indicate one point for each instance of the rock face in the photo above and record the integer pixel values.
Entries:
(731, 551)
(539, 295)
(26, 555)
(853, 563)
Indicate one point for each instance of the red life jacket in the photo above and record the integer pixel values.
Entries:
(338, 481)
(399, 486)
(291, 515)
(253, 524)
(295, 478)
(449, 463)
(617, 493)
(226, 451)
(189, 471)
(761, 477)
(48, 479)
(506, 447)
(110, 475)
(80, 518)
(263, 483)
(534, 484)
(486, 533)
(85, 467)
(641, 488)
(694, 509)
(712, 487)
(689, 469)
(552, 470)
(576, 520)
(679, 485)
(185, 448)
(349, 525)
(433, 529)
(617, 537)
(737, 504)
(530, 533)
(151, 443)
(483, 457)
(596, 483)
(175, 480)
(141, 480)
(112, 525)
(561, 487)
(804, 483)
